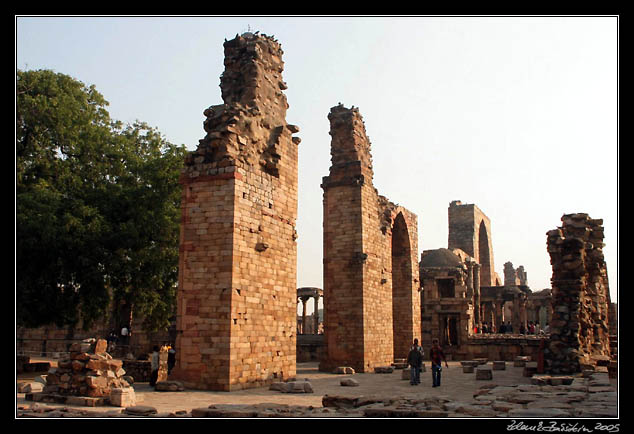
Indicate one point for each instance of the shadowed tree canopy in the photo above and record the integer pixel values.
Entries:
(97, 208)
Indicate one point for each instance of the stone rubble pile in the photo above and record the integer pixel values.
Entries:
(88, 372)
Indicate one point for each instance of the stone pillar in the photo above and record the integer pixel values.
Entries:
(236, 315)
(304, 301)
(499, 314)
(476, 290)
(519, 313)
(316, 331)
(579, 328)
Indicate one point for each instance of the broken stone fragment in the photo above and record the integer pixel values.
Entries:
(169, 386)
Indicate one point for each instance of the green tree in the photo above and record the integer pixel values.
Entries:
(97, 208)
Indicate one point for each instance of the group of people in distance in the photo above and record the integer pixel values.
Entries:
(530, 328)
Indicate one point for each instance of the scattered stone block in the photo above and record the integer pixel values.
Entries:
(468, 369)
(169, 386)
(383, 370)
(484, 373)
(292, 387)
(349, 382)
(540, 380)
(520, 361)
(123, 397)
(530, 369)
(499, 365)
(140, 410)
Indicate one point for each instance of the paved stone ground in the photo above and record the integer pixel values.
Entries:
(507, 394)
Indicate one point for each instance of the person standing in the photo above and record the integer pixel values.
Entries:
(415, 360)
(154, 363)
(171, 359)
(437, 356)
(125, 333)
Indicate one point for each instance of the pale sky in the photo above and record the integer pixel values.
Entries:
(518, 115)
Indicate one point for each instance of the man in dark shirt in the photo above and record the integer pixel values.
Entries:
(415, 361)
(437, 355)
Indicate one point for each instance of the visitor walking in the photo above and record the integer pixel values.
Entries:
(415, 361)
(437, 355)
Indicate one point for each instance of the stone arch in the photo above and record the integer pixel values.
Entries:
(402, 279)
(485, 256)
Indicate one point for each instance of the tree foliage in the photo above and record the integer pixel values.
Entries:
(97, 208)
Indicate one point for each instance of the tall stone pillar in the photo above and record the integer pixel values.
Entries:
(237, 309)
(579, 329)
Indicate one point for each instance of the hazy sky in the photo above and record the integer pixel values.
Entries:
(517, 115)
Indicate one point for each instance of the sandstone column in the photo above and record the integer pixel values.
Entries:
(236, 318)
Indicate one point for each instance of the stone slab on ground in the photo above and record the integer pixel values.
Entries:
(484, 373)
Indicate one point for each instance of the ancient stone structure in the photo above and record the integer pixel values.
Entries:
(371, 287)
(455, 303)
(236, 319)
(470, 231)
(448, 297)
(580, 295)
(304, 295)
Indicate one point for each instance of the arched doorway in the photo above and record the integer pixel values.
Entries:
(484, 255)
(401, 288)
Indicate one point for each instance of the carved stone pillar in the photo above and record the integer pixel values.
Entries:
(316, 331)
(304, 301)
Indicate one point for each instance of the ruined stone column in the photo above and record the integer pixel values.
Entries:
(237, 308)
(579, 328)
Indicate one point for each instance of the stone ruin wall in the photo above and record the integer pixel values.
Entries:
(580, 295)
(467, 227)
(236, 317)
(363, 292)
